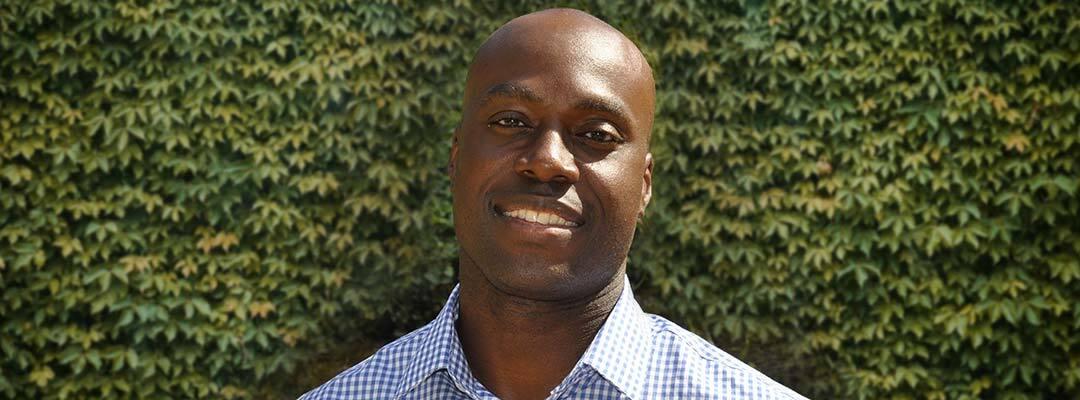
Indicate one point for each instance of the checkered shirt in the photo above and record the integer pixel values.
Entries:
(634, 356)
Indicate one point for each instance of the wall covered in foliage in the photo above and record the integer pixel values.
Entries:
(193, 193)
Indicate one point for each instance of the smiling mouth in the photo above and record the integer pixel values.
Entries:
(540, 217)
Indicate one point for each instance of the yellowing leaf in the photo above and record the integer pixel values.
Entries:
(41, 376)
(260, 309)
(1017, 142)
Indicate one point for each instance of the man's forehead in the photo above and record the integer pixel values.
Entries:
(595, 100)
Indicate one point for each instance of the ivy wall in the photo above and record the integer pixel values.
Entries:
(877, 198)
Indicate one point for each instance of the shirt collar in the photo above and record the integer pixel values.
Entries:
(619, 353)
(439, 349)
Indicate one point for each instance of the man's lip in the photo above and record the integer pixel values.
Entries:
(568, 212)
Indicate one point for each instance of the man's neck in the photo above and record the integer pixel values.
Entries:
(521, 348)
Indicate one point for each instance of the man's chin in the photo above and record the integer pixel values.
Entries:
(546, 282)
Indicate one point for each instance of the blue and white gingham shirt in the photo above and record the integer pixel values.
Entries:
(634, 356)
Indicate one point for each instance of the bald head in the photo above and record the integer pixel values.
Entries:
(568, 30)
(563, 35)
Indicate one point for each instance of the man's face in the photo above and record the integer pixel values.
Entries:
(550, 166)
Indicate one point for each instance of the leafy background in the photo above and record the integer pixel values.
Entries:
(866, 199)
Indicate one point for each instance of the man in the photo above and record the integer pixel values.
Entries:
(550, 171)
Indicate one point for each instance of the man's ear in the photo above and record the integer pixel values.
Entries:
(646, 187)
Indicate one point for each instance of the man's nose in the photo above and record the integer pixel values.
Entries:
(548, 159)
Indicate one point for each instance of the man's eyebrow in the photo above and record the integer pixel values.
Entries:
(606, 106)
(601, 105)
(512, 90)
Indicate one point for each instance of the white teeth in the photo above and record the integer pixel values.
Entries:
(539, 217)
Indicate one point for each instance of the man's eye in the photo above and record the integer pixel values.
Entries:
(510, 123)
(601, 136)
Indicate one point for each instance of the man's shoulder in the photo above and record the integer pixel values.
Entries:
(376, 377)
(701, 364)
